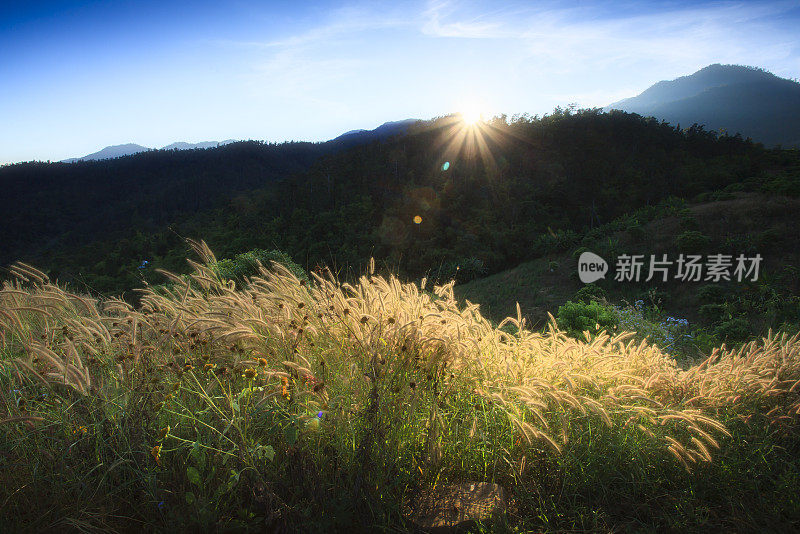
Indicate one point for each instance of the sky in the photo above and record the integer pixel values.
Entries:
(78, 76)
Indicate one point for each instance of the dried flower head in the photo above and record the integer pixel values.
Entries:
(155, 452)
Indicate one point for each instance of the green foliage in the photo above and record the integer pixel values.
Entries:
(734, 330)
(590, 292)
(784, 184)
(550, 243)
(577, 318)
(692, 241)
(247, 264)
(461, 271)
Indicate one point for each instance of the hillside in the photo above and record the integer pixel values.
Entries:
(94, 223)
(736, 223)
(730, 98)
(59, 205)
(129, 189)
(213, 399)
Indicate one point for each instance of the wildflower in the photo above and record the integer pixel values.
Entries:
(155, 452)
(208, 366)
(319, 415)
(164, 432)
(188, 367)
(250, 373)
(263, 362)
(284, 381)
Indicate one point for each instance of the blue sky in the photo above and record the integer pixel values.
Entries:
(75, 77)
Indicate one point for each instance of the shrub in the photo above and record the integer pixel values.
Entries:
(247, 264)
(692, 241)
(461, 271)
(590, 292)
(576, 318)
(554, 242)
(637, 232)
(733, 330)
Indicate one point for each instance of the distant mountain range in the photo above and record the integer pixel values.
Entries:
(117, 151)
(384, 131)
(726, 98)
(347, 139)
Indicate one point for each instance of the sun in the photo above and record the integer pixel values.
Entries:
(471, 116)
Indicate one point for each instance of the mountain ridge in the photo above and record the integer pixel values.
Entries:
(387, 129)
(726, 98)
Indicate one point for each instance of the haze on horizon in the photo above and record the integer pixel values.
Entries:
(76, 77)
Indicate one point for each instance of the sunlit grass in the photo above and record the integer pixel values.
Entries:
(217, 405)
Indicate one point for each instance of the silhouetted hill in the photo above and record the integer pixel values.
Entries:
(181, 145)
(118, 151)
(729, 98)
(384, 131)
(346, 140)
(110, 152)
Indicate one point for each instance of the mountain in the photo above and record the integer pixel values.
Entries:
(726, 98)
(382, 132)
(111, 152)
(117, 151)
(191, 146)
(346, 140)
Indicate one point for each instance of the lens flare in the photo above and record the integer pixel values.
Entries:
(471, 116)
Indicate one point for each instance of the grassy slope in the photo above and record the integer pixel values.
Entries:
(748, 222)
(316, 407)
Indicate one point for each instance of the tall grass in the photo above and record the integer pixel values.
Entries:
(288, 403)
